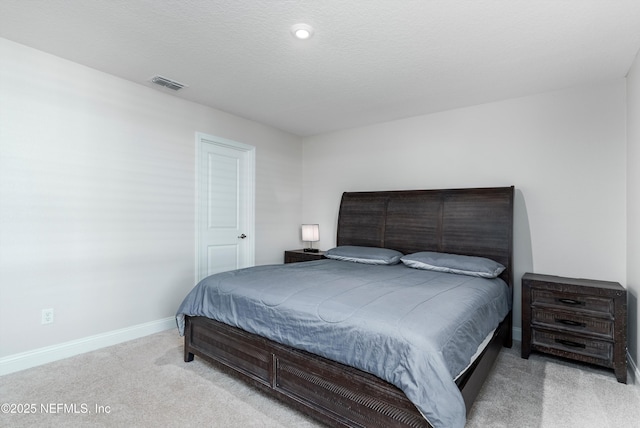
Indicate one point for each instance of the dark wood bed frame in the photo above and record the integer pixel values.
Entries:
(477, 222)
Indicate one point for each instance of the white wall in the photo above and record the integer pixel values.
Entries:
(564, 152)
(97, 196)
(633, 206)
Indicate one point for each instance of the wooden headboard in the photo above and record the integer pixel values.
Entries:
(473, 222)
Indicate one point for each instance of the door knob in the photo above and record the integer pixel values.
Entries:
(242, 236)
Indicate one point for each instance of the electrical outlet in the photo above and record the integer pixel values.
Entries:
(47, 316)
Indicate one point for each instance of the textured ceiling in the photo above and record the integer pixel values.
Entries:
(369, 61)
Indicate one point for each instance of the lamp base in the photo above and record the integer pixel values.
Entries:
(311, 250)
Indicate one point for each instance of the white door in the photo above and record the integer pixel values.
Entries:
(225, 205)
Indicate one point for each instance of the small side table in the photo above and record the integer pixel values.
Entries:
(581, 319)
(295, 256)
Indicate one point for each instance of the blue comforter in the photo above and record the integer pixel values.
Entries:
(415, 329)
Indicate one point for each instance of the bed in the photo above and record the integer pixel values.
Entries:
(342, 391)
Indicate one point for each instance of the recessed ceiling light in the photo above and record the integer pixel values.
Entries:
(302, 31)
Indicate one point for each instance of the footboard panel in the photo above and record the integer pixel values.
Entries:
(243, 352)
(348, 395)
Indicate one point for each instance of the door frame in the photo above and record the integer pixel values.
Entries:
(248, 258)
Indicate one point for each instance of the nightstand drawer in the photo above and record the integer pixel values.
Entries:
(572, 301)
(573, 322)
(587, 347)
(296, 256)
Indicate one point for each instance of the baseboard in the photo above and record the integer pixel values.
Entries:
(25, 360)
(635, 371)
(517, 334)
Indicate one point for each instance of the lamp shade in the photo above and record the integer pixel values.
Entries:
(310, 232)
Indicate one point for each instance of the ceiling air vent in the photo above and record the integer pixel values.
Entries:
(167, 83)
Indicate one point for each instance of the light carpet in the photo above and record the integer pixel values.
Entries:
(145, 383)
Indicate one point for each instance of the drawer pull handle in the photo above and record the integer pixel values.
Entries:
(571, 343)
(571, 322)
(570, 302)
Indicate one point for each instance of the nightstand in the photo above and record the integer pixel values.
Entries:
(295, 256)
(581, 319)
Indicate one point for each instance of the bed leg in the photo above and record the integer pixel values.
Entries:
(188, 356)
